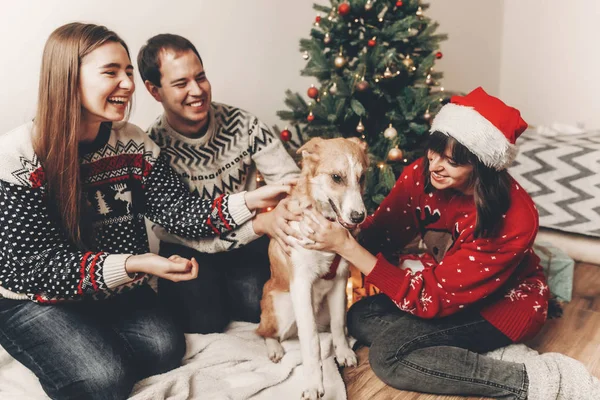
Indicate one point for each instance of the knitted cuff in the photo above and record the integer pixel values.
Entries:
(115, 273)
(238, 209)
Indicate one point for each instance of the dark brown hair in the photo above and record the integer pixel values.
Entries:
(148, 58)
(491, 188)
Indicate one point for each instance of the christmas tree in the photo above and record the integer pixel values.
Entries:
(373, 60)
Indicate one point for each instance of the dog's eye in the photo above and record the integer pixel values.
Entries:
(336, 178)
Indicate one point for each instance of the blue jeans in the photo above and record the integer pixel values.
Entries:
(228, 287)
(92, 349)
(440, 356)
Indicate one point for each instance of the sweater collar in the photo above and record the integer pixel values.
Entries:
(210, 130)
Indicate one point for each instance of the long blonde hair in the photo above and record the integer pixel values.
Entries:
(58, 120)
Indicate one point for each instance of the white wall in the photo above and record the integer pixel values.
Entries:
(250, 48)
(473, 50)
(550, 60)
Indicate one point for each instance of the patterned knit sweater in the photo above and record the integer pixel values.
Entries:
(224, 160)
(500, 276)
(124, 178)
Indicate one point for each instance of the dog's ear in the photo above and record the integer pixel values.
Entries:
(310, 154)
(361, 143)
(311, 147)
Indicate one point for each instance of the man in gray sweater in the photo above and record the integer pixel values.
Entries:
(217, 149)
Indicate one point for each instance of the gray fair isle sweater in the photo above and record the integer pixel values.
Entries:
(224, 160)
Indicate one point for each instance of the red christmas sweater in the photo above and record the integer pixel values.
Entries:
(501, 276)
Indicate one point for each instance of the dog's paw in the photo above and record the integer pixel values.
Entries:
(274, 350)
(345, 356)
(313, 393)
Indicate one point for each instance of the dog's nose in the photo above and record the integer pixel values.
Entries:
(357, 217)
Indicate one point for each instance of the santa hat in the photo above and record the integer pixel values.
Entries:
(484, 125)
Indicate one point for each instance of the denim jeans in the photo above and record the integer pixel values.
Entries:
(92, 349)
(440, 356)
(228, 288)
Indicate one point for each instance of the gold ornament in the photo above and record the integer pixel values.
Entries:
(368, 5)
(360, 128)
(427, 115)
(390, 132)
(408, 62)
(428, 79)
(395, 154)
(327, 38)
(388, 73)
(333, 89)
(305, 55)
(339, 61)
(419, 12)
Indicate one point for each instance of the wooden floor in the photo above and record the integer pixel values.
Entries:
(576, 334)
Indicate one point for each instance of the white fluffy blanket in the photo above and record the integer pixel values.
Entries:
(233, 365)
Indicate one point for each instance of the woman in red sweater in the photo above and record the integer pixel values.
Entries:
(479, 286)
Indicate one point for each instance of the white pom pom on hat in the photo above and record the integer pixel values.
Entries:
(484, 125)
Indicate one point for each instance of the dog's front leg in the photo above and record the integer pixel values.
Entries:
(301, 292)
(336, 300)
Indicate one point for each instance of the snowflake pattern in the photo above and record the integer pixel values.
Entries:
(515, 294)
(404, 305)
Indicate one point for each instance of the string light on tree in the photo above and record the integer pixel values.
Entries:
(428, 79)
(395, 154)
(390, 132)
(419, 12)
(368, 5)
(327, 38)
(360, 128)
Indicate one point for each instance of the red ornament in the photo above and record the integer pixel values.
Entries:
(312, 92)
(310, 117)
(344, 9)
(285, 135)
(399, 3)
(371, 42)
(318, 19)
(438, 55)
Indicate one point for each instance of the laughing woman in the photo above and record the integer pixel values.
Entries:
(74, 191)
(479, 287)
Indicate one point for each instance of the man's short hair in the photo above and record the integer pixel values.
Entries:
(148, 58)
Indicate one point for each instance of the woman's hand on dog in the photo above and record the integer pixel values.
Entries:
(276, 225)
(326, 235)
(268, 195)
(174, 268)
